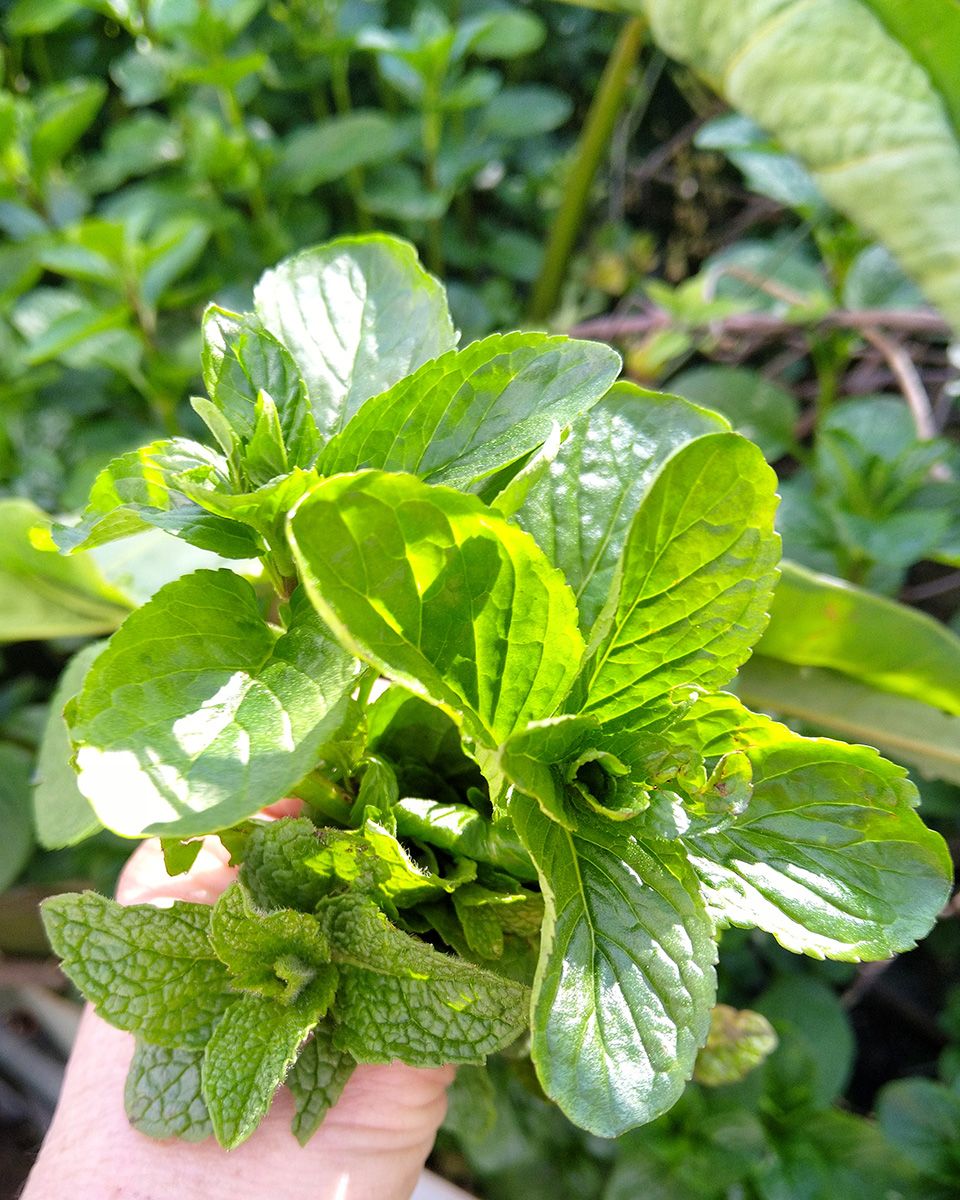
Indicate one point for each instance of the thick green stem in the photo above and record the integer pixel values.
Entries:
(592, 146)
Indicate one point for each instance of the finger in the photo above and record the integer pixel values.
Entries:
(144, 880)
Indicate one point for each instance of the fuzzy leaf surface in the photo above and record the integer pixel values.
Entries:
(625, 983)
(357, 315)
(442, 595)
(316, 1080)
(148, 970)
(829, 856)
(399, 998)
(197, 714)
(469, 412)
(246, 1060)
(691, 592)
(579, 512)
(162, 1095)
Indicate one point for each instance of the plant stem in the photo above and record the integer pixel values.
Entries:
(343, 103)
(591, 147)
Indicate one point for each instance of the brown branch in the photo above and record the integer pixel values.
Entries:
(908, 379)
(768, 324)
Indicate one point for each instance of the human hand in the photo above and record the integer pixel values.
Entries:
(371, 1145)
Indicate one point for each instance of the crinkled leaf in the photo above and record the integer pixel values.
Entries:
(162, 1094)
(316, 1080)
(466, 414)
(282, 955)
(44, 595)
(463, 1012)
(580, 510)
(141, 489)
(690, 595)
(625, 982)
(197, 714)
(738, 1041)
(829, 856)
(533, 758)
(148, 970)
(357, 315)
(275, 871)
(460, 829)
(240, 361)
(442, 595)
(253, 1046)
(62, 813)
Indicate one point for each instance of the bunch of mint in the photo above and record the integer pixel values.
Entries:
(492, 597)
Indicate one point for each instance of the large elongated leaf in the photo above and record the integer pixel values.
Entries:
(579, 512)
(910, 731)
(44, 595)
(625, 982)
(357, 314)
(197, 714)
(829, 856)
(692, 588)
(819, 621)
(15, 812)
(469, 412)
(866, 117)
(140, 489)
(441, 594)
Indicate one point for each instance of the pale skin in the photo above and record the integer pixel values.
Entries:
(371, 1146)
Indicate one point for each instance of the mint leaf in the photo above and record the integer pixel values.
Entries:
(469, 412)
(357, 315)
(316, 1080)
(17, 845)
(691, 591)
(283, 955)
(579, 511)
(241, 361)
(162, 1095)
(622, 997)
(143, 489)
(399, 998)
(829, 856)
(441, 594)
(246, 1060)
(147, 970)
(460, 829)
(275, 871)
(62, 814)
(738, 1041)
(197, 714)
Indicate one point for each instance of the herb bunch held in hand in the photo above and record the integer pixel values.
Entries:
(529, 833)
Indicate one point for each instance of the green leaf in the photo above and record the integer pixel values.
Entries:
(316, 154)
(625, 983)
(442, 595)
(282, 955)
(253, 1046)
(888, 156)
(142, 489)
(147, 970)
(470, 412)
(357, 314)
(911, 732)
(43, 595)
(64, 111)
(756, 408)
(62, 813)
(162, 1095)
(316, 1080)
(829, 856)
(526, 110)
(738, 1041)
(690, 595)
(818, 621)
(463, 1012)
(461, 830)
(921, 1118)
(240, 361)
(15, 814)
(197, 714)
(580, 509)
